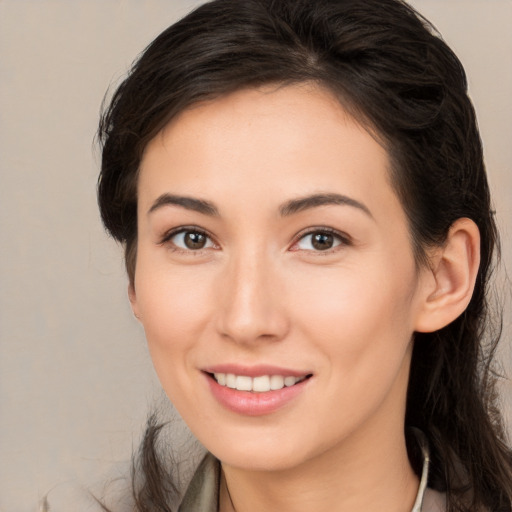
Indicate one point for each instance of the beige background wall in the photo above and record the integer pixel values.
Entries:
(75, 377)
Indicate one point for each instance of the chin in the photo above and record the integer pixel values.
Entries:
(259, 460)
(262, 451)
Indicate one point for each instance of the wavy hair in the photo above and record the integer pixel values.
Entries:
(392, 72)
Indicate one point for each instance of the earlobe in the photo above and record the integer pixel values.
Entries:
(133, 300)
(454, 268)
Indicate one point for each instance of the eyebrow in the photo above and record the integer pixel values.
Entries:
(189, 203)
(305, 203)
(289, 208)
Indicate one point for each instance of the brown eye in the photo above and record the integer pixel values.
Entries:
(191, 240)
(195, 240)
(318, 241)
(322, 241)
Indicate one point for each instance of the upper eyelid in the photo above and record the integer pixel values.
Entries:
(322, 229)
(175, 231)
(344, 237)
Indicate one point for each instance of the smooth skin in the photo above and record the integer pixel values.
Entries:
(236, 264)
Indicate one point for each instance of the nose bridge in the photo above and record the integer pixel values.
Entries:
(251, 308)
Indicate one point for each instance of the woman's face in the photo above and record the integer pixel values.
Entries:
(273, 252)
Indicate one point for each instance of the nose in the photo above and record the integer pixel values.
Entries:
(252, 306)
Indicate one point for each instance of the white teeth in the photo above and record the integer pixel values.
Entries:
(259, 384)
(231, 381)
(243, 383)
(289, 381)
(276, 382)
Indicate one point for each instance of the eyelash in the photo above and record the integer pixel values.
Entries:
(167, 237)
(342, 238)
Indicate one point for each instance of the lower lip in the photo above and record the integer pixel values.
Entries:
(254, 404)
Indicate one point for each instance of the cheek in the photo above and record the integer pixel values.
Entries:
(362, 330)
(175, 311)
(360, 317)
(175, 307)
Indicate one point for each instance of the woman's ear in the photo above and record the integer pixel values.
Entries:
(133, 300)
(452, 275)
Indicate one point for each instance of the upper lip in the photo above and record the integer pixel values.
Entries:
(255, 371)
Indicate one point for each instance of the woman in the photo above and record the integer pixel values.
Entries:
(308, 234)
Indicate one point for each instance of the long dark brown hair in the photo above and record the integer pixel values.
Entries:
(390, 70)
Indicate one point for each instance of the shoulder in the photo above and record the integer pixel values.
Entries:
(68, 496)
(114, 497)
(433, 501)
(202, 493)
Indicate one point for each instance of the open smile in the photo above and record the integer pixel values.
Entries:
(258, 394)
(260, 384)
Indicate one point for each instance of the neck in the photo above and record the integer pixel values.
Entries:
(356, 477)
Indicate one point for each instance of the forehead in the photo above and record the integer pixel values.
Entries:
(271, 141)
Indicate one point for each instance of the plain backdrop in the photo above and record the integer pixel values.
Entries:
(76, 381)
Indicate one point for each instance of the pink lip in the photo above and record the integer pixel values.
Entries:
(254, 404)
(254, 371)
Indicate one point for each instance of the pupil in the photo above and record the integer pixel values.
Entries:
(322, 241)
(195, 240)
